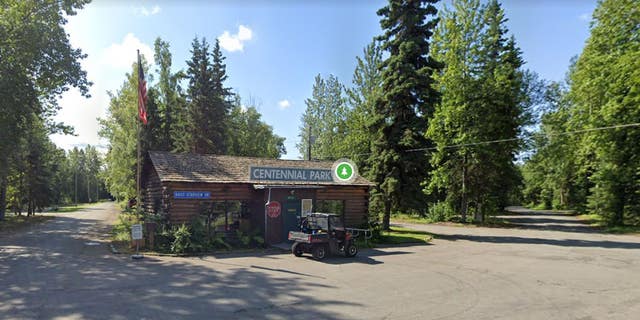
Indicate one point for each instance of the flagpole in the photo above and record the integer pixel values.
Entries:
(138, 173)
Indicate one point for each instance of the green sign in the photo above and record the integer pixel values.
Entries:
(344, 170)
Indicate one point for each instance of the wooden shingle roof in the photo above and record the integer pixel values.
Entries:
(207, 168)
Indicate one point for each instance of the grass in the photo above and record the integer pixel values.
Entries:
(398, 235)
(490, 221)
(600, 222)
(73, 208)
(121, 231)
(409, 218)
(12, 222)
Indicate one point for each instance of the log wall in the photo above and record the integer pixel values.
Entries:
(158, 198)
(356, 202)
(183, 210)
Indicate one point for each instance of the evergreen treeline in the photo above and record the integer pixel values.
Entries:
(439, 123)
(441, 115)
(188, 111)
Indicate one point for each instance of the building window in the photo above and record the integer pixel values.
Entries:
(226, 215)
(330, 206)
(307, 207)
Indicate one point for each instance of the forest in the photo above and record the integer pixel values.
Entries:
(441, 114)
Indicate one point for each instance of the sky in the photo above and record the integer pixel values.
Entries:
(274, 49)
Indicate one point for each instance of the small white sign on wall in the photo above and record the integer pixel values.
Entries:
(307, 207)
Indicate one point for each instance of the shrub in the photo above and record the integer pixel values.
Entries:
(440, 211)
(182, 240)
(251, 239)
(122, 229)
(164, 238)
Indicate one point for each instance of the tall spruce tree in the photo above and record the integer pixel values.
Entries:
(221, 99)
(208, 99)
(407, 104)
(200, 98)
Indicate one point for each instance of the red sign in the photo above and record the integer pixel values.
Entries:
(273, 209)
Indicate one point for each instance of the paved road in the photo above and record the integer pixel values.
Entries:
(542, 270)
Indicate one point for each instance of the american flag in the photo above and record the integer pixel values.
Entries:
(142, 93)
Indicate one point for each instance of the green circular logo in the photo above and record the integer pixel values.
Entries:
(344, 171)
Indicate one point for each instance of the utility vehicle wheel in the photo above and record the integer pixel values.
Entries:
(319, 252)
(296, 249)
(351, 250)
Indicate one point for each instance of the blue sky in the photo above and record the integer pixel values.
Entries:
(275, 49)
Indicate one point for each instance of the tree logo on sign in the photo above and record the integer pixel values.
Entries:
(344, 170)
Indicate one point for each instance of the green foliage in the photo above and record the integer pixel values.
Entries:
(403, 110)
(122, 228)
(398, 235)
(595, 171)
(441, 211)
(250, 239)
(203, 119)
(325, 115)
(207, 99)
(172, 112)
(181, 240)
(361, 98)
(120, 129)
(38, 64)
(250, 136)
(484, 98)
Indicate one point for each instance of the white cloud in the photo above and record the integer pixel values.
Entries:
(235, 42)
(284, 104)
(106, 68)
(123, 55)
(585, 17)
(146, 12)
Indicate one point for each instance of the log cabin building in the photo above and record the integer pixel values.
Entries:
(238, 190)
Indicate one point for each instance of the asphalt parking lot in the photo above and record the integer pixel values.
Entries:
(550, 267)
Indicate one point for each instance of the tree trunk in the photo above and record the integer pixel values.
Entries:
(477, 214)
(618, 206)
(88, 189)
(3, 193)
(387, 215)
(464, 202)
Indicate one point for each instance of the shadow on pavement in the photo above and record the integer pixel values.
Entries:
(545, 220)
(51, 273)
(552, 242)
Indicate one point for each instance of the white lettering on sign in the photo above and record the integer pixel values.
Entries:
(136, 232)
(289, 174)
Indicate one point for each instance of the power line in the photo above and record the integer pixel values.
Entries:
(637, 124)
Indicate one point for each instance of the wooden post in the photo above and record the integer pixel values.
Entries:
(138, 129)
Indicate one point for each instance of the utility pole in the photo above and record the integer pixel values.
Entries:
(75, 194)
(309, 144)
